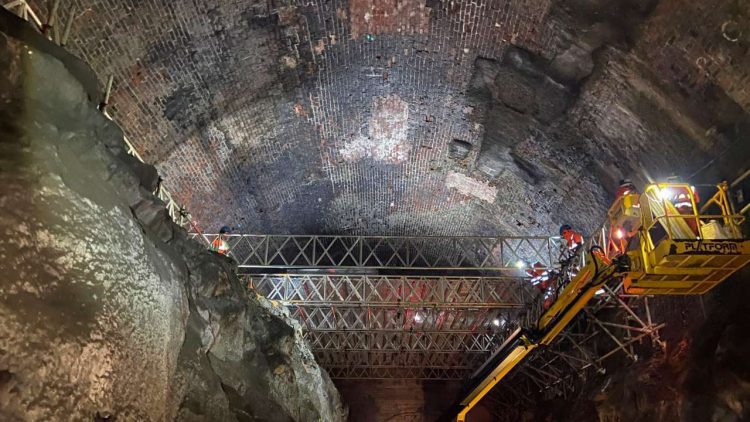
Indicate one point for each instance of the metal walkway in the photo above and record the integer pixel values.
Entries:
(256, 253)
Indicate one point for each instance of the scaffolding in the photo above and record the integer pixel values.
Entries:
(364, 318)
(393, 291)
(613, 324)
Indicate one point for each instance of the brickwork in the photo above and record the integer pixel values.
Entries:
(252, 112)
(388, 16)
(698, 55)
(338, 117)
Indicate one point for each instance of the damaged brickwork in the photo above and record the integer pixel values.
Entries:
(471, 187)
(287, 118)
(386, 138)
(388, 16)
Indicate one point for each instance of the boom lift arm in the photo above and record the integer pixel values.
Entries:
(569, 303)
(658, 242)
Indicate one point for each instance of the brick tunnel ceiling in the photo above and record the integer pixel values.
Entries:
(414, 117)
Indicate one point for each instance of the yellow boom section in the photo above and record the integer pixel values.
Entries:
(570, 301)
(510, 361)
(663, 241)
(574, 297)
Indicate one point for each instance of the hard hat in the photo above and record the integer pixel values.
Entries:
(225, 229)
(564, 228)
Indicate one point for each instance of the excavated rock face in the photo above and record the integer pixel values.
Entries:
(106, 308)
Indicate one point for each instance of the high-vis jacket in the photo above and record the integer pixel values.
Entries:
(220, 245)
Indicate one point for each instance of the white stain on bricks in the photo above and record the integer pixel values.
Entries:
(471, 187)
(387, 129)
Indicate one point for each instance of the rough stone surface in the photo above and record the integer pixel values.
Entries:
(105, 306)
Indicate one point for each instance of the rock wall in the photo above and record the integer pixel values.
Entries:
(107, 310)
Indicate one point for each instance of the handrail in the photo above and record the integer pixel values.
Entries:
(176, 212)
(473, 253)
(735, 183)
(23, 10)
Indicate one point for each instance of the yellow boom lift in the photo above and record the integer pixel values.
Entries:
(663, 241)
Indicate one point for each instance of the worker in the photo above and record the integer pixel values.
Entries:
(681, 198)
(538, 276)
(682, 202)
(626, 187)
(545, 281)
(572, 238)
(621, 228)
(220, 245)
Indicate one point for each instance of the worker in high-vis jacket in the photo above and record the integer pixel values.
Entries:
(683, 203)
(220, 245)
(624, 219)
(544, 280)
(626, 187)
(572, 239)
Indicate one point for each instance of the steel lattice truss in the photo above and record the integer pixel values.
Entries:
(423, 373)
(398, 326)
(613, 323)
(390, 291)
(372, 319)
(391, 358)
(437, 373)
(429, 326)
(392, 253)
(404, 341)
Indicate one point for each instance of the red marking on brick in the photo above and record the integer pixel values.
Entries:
(388, 16)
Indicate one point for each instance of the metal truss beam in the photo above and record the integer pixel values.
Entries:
(393, 291)
(392, 253)
(398, 326)
(373, 319)
(403, 341)
(390, 358)
(355, 372)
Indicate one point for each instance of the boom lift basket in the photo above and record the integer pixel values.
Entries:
(685, 246)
